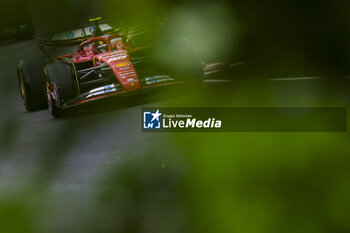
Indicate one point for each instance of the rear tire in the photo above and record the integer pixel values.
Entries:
(31, 80)
(60, 86)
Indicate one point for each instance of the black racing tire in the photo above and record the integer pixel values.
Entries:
(60, 86)
(31, 80)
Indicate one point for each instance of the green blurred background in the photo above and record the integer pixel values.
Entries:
(193, 182)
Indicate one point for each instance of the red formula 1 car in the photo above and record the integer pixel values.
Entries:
(100, 67)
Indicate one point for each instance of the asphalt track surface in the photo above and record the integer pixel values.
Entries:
(86, 143)
(76, 152)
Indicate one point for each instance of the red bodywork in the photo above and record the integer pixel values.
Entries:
(116, 56)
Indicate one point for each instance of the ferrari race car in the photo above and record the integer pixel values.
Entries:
(100, 67)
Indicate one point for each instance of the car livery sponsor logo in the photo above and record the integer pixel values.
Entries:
(152, 120)
(70, 35)
(102, 90)
(108, 89)
(127, 74)
(125, 68)
(116, 58)
(113, 56)
(158, 79)
(122, 64)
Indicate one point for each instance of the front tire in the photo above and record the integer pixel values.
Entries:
(60, 86)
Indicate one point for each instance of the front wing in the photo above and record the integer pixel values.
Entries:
(112, 90)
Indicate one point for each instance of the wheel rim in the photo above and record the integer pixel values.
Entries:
(22, 87)
(49, 97)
